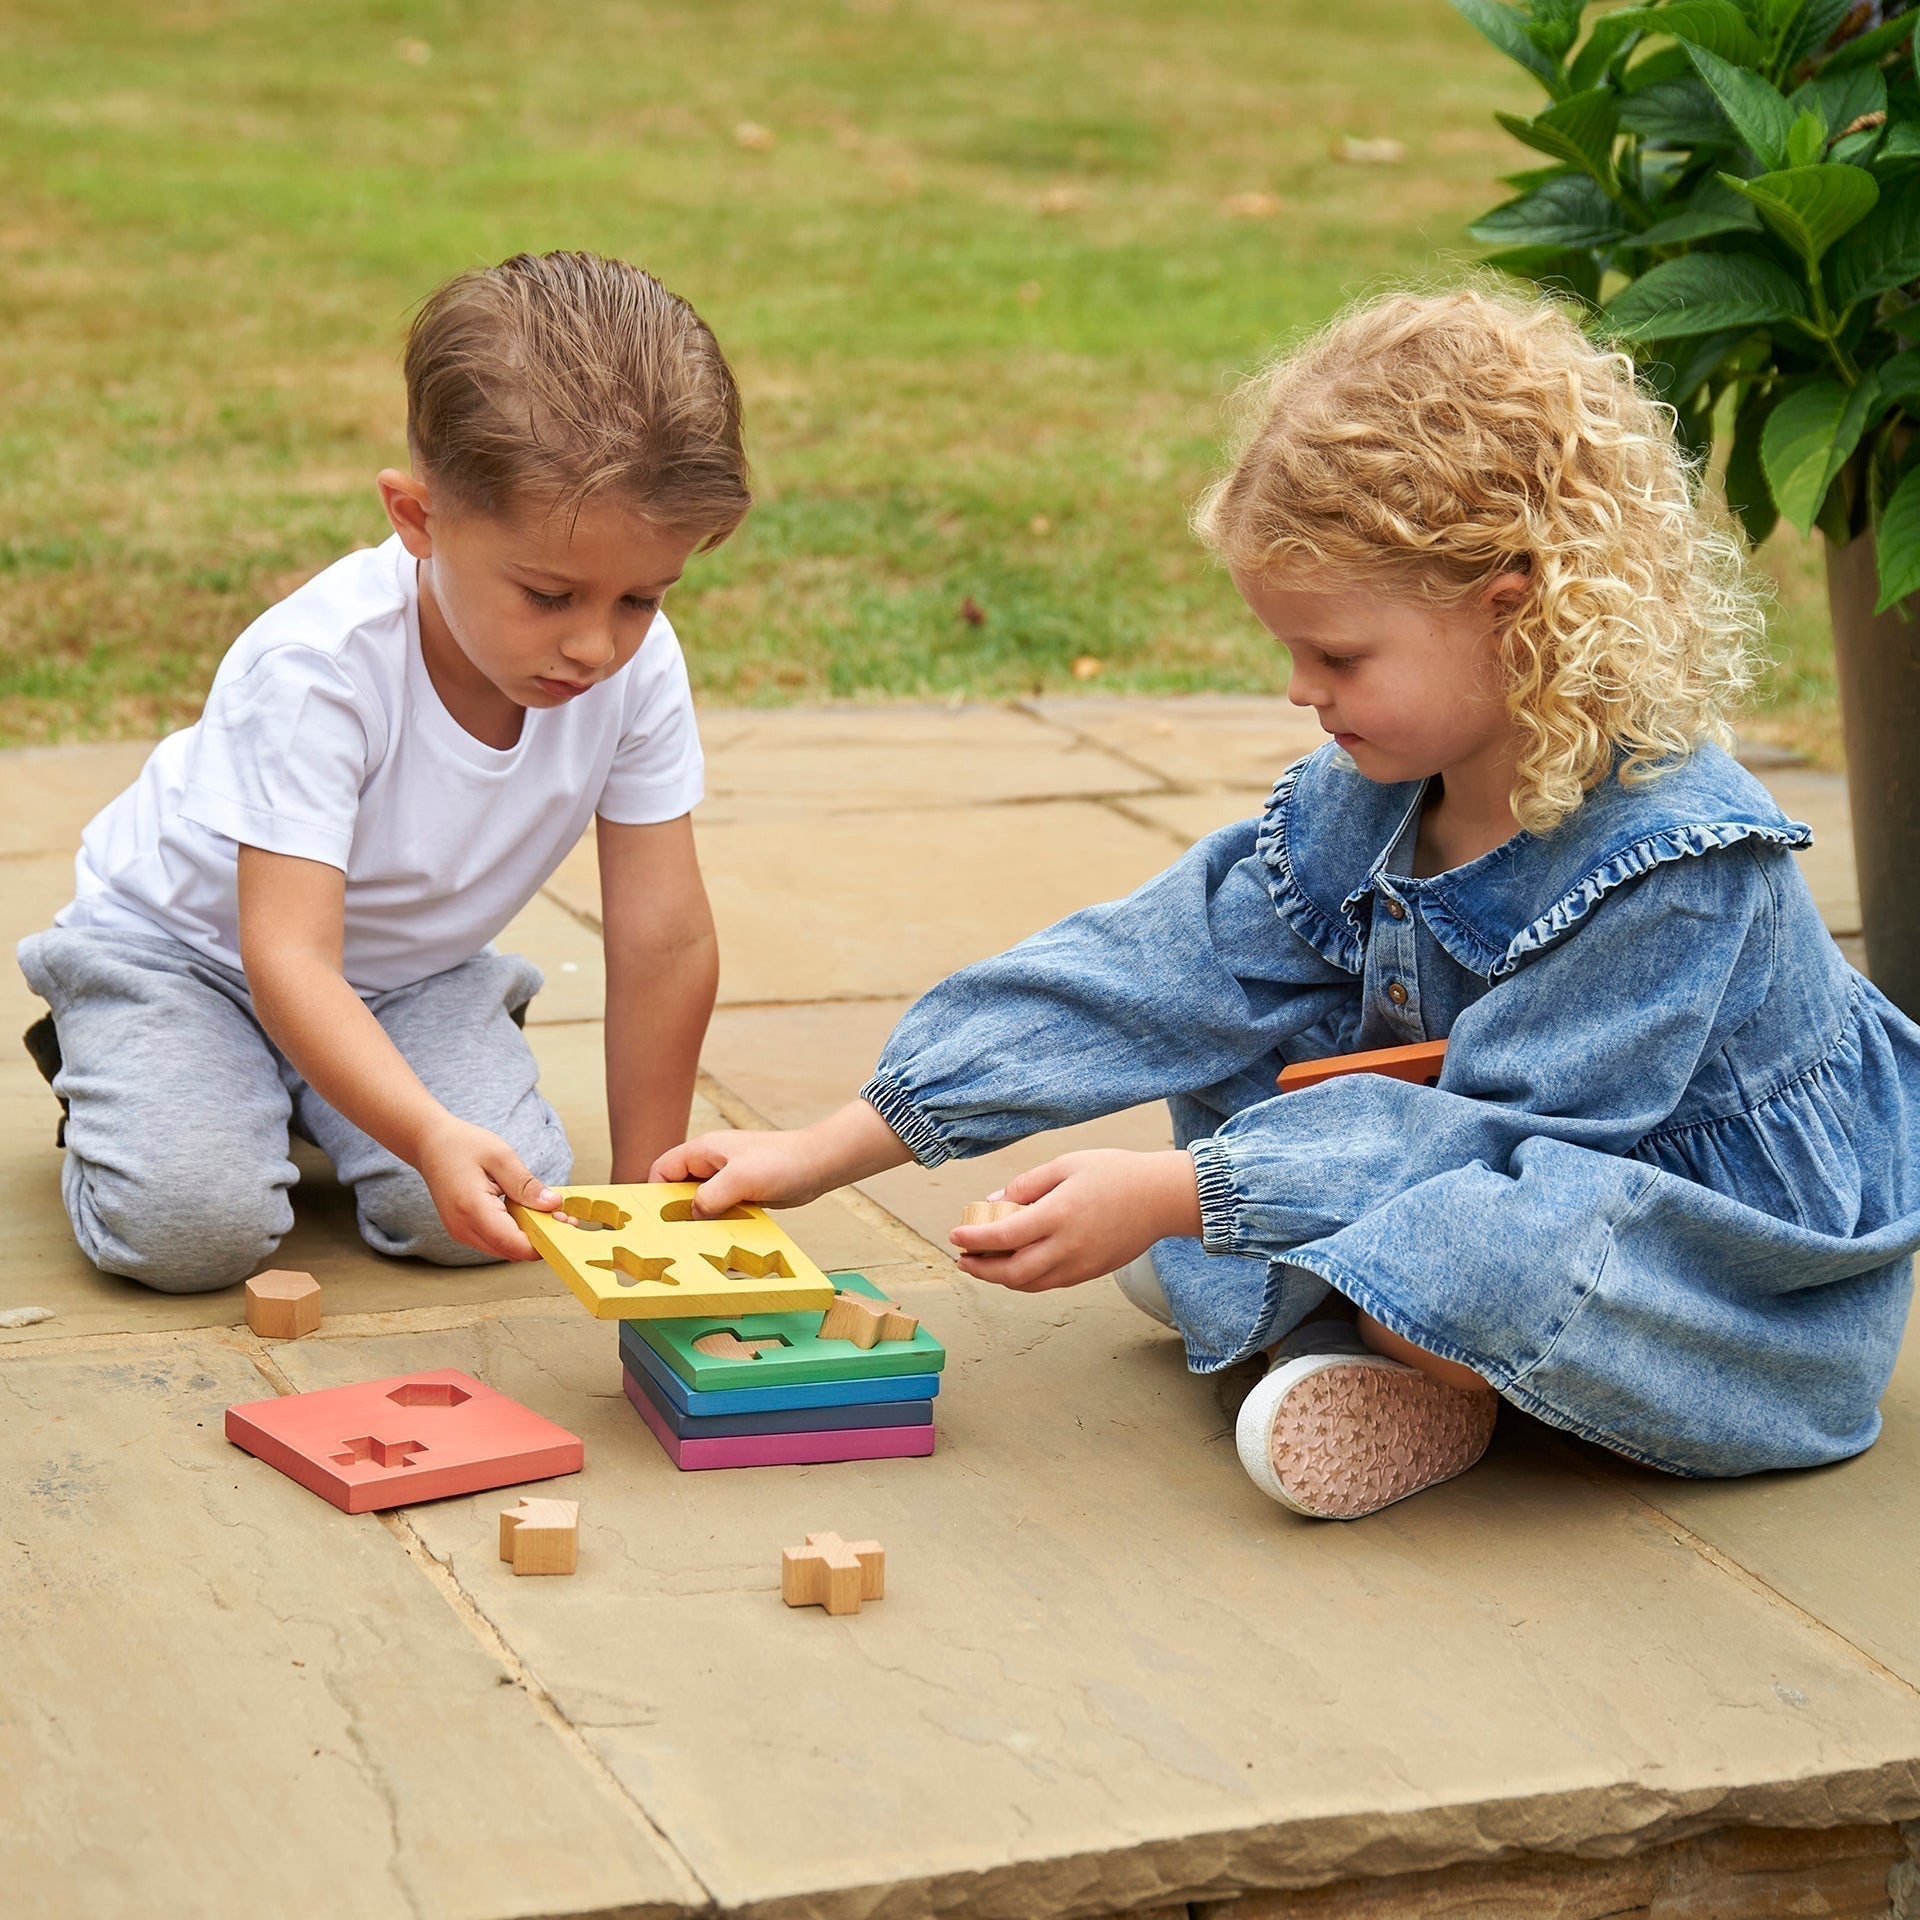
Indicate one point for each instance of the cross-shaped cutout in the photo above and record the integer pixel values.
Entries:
(833, 1573)
(725, 1343)
(630, 1268)
(741, 1263)
(866, 1322)
(383, 1453)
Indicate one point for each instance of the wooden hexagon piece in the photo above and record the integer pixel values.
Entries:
(283, 1306)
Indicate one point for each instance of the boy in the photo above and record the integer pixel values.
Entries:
(286, 920)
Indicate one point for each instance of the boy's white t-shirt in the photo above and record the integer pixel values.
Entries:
(323, 737)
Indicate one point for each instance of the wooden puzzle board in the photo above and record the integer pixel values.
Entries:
(646, 1257)
(700, 1425)
(389, 1443)
(799, 1355)
(639, 1358)
(781, 1449)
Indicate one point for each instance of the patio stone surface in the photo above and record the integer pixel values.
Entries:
(1107, 1676)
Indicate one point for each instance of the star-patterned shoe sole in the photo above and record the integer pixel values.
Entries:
(1339, 1436)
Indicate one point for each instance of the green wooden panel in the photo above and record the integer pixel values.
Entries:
(802, 1355)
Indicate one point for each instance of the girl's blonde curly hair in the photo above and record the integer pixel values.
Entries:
(1420, 445)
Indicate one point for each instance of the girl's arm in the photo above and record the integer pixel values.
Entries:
(1188, 983)
(663, 965)
(292, 943)
(1591, 1046)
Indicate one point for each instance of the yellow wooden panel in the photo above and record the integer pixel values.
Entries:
(639, 1254)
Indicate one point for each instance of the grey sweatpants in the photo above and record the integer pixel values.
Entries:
(179, 1106)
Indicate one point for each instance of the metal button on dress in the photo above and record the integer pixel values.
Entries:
(1396, 909)
(1397, 994)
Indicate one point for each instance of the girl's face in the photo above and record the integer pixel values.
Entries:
(1407, 689)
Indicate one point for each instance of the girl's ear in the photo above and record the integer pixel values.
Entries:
(409, 508)
(1504, 594)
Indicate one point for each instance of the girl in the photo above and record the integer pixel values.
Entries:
(1664, 1193)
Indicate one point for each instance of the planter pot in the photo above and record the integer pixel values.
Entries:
(1878, 663)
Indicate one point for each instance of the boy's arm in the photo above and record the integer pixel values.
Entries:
(663, 966)
(292, 942)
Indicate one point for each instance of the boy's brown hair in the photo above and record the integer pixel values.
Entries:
(558, 378)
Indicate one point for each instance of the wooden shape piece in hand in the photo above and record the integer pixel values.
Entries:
(283, 1306)
(977, 1213)
(541, 1536)
(833, 1573)
(866, 1321)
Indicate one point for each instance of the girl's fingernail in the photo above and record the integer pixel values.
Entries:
(999, 1193)
(548, 1196)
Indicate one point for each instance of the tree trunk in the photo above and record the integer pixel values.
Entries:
(1878, 662)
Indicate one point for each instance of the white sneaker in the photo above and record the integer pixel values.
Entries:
(1138, 1281)
(1339, 1435)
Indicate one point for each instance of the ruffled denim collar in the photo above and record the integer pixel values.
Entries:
(1328, 832)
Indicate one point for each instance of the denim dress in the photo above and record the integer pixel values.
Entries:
(1664, 1195)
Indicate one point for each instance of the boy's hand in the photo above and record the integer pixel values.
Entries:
(472, 1174)
(774, 1169)
(1082, 1216)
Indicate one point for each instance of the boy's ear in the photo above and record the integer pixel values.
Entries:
(410, 510)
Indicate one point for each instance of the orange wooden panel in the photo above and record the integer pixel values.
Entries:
(1419, 1063)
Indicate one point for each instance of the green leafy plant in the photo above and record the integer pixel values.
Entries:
(1735, 195)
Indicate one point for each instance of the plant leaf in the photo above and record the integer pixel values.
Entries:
(1897, 550)
(1881, 253)
(1579, 131)
(1807, 140)
(1811, 207)
(1713, 209)
(1553, 25)
(1567, 211)
(1677, 113)
(1759, 112)
(1745, 482)
(1604, 45)
(1809, 437)
(1677, 380)
(1813, 30)
(1714, 24)
(1902, 142)
(1900, 381)
(1704, 293)
(1558, 270)
(1506, 27)
(1844, 96)
(1866, 48)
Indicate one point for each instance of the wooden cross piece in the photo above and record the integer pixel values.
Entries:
(833, 1573)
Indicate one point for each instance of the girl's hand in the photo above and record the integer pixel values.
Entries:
(472, 1174)
(783, 1169)
(775, 1169)
(1082, 1216)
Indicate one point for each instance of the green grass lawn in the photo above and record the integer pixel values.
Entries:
(985, 291)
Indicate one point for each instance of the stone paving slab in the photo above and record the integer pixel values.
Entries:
(851, 758)
(882, 903)
(224, 1697)
(1108, 1675)
(1053, 1698)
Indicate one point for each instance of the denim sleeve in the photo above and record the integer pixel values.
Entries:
(1594, 1043)
(1182, 985)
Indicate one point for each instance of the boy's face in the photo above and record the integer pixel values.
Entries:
(540, 609)
(1408, 690)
